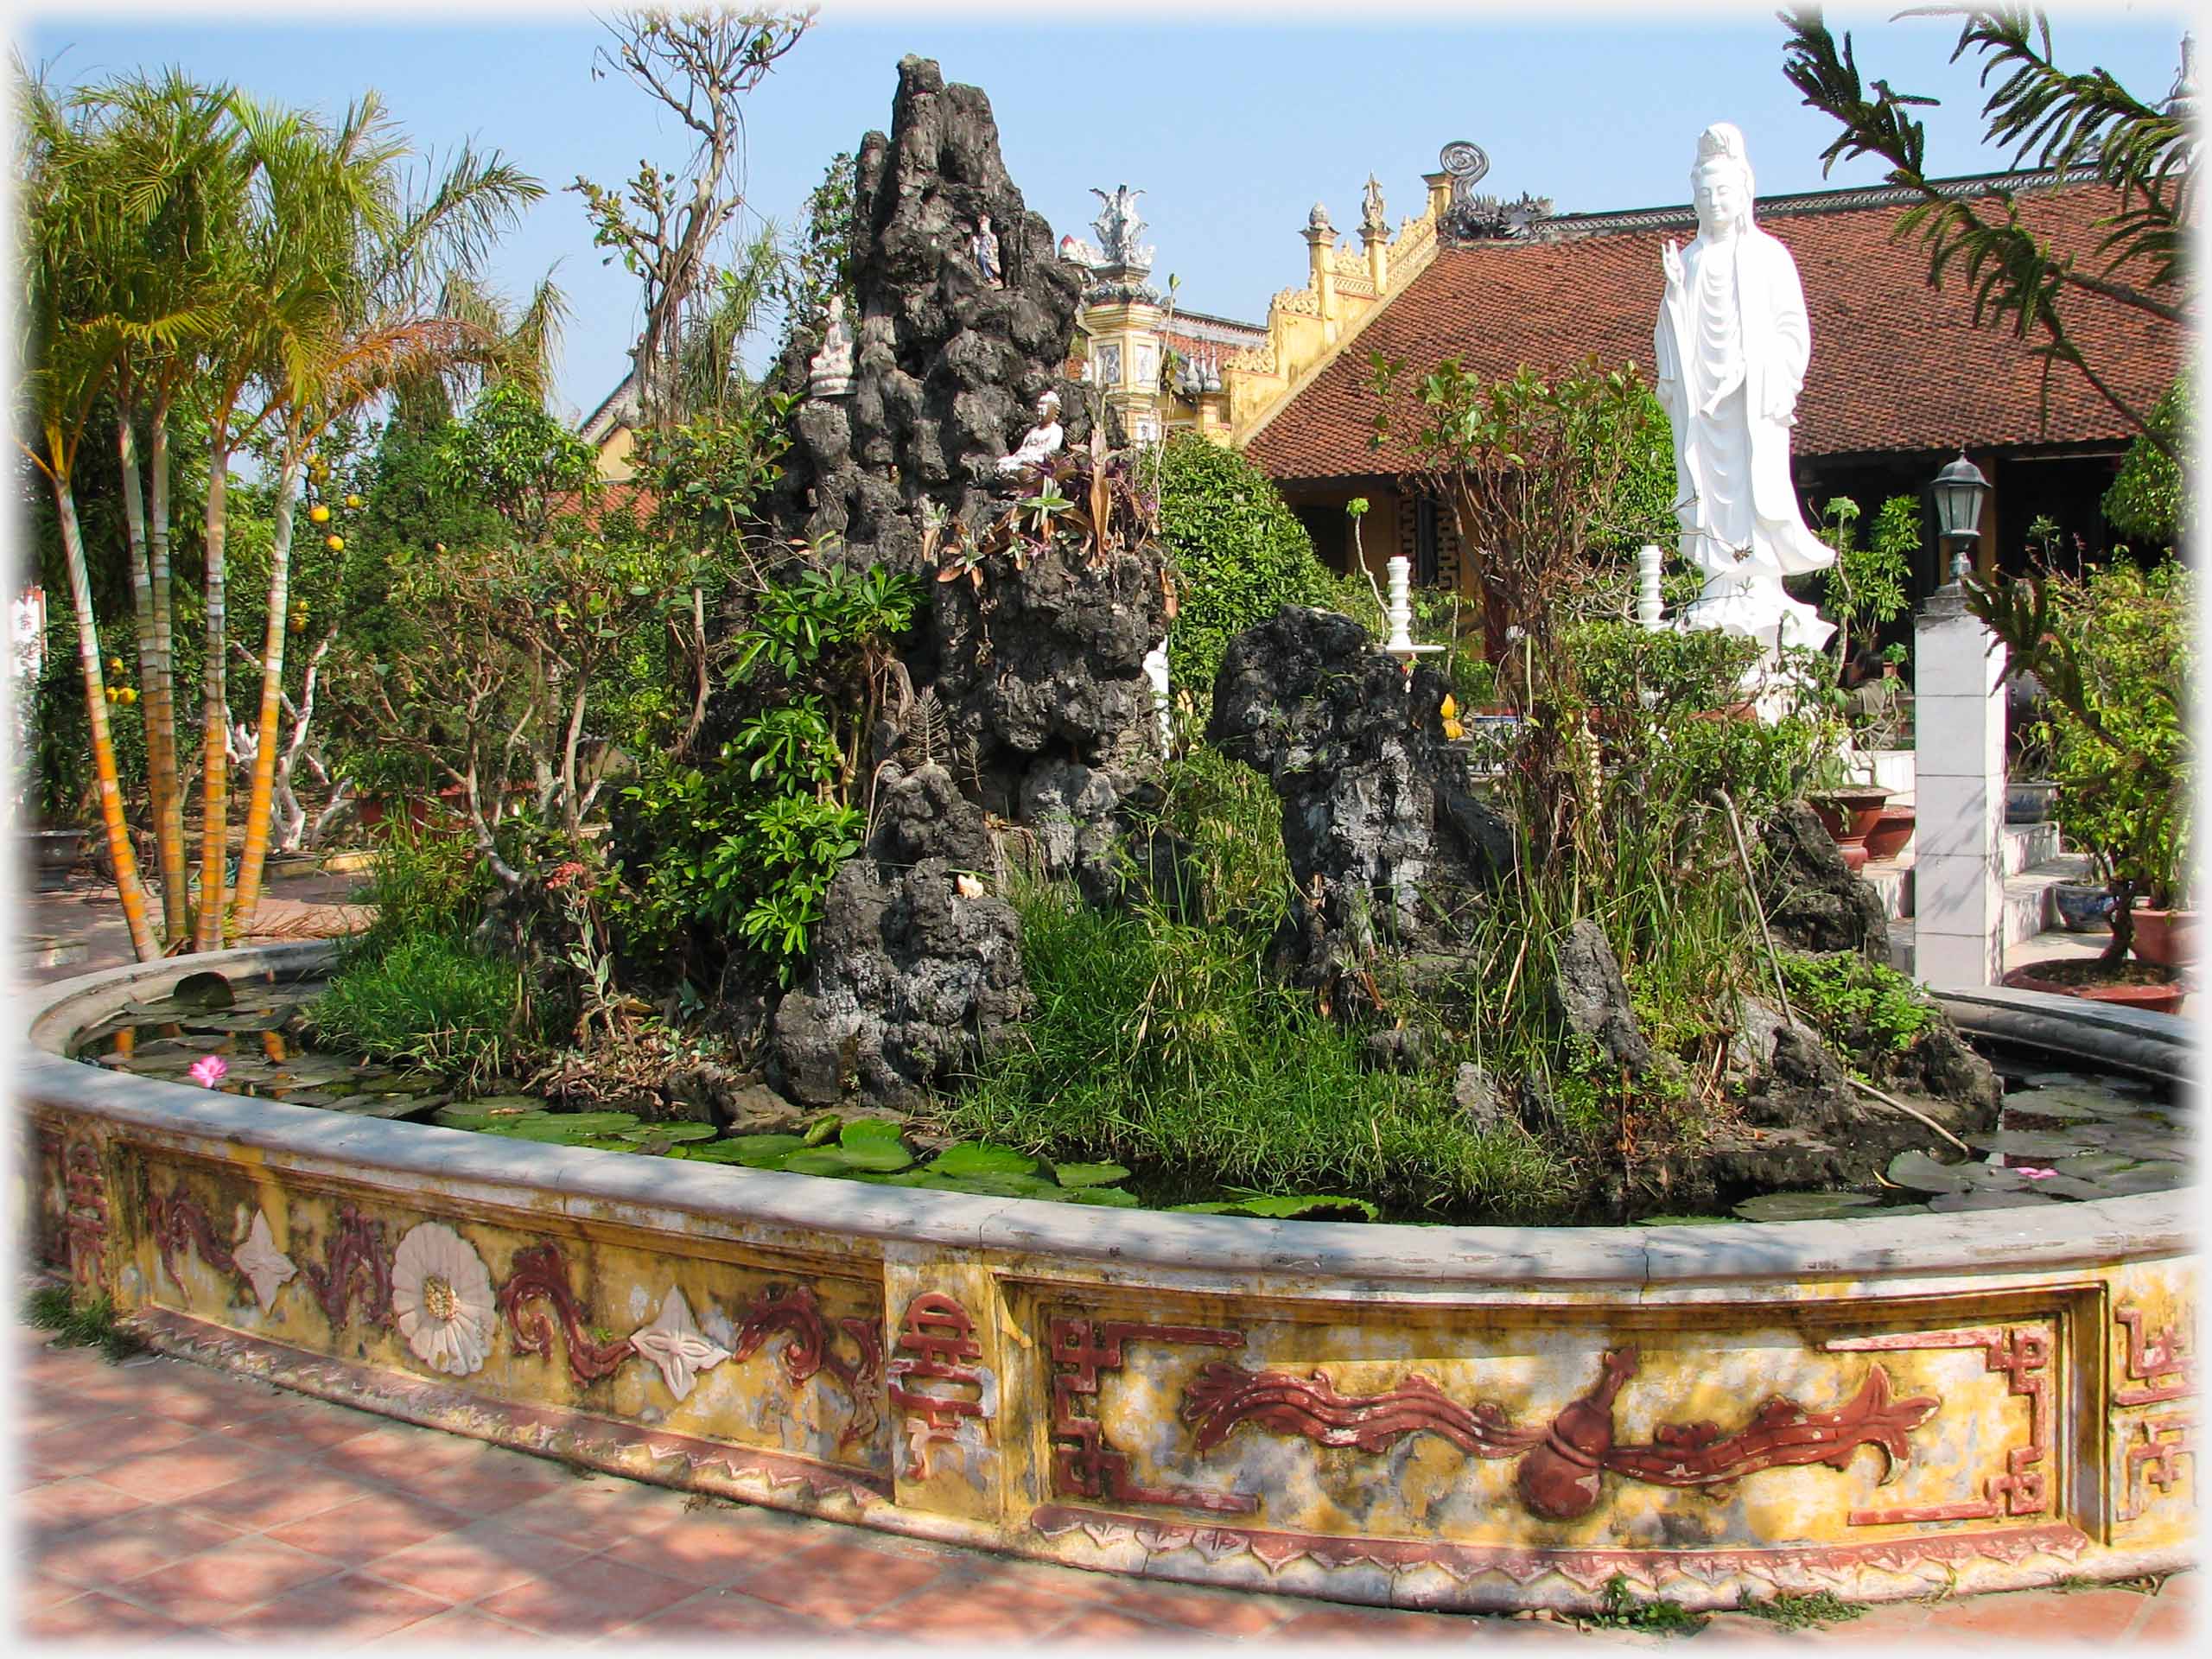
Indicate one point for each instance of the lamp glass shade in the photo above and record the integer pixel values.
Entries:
(1959, 490)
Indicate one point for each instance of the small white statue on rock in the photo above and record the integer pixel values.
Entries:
(829, 374)
(1041, 442)
(1732, 344)
(985, 246)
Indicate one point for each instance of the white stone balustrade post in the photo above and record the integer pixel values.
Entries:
(1958, 875)
(1649, 607)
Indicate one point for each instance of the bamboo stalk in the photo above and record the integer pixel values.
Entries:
(261, 798)
(215, 826)
(128, 891)
(161, 702)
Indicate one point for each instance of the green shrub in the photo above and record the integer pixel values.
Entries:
(1858, 1005)
(88, 1323)
(426, 1000)
(2147, 502)
(424, 884)
(1238, 553)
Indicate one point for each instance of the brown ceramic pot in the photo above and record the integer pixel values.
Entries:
(2167, 937)
(1851, 814)
(1890, 833)
(2152, 998)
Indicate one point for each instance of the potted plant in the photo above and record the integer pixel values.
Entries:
(2112, 649)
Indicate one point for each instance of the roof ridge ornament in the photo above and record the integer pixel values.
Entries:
(1470, 218)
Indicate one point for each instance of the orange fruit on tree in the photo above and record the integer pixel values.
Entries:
(335, 543)
(319, 513)
(353, 500)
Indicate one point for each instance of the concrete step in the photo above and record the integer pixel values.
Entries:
(2030, 909)
(2026, 845)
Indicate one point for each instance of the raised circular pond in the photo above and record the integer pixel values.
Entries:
(1454, 1417)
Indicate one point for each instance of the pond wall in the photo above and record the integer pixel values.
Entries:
(1445, 1417)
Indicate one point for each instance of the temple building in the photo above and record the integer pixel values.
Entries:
(1901, 380)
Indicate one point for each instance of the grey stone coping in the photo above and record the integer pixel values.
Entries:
(1316, 1259)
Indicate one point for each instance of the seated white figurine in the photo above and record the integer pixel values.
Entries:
(830, 374)
(1040, 441)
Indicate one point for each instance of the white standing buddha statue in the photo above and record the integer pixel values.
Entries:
(1733, 345)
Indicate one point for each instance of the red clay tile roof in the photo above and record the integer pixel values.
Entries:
(1895, 365)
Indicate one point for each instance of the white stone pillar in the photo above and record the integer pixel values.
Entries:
(1958, 873)
(1648, 607)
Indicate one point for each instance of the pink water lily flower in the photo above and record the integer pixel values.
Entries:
(209, 1070)
(2033, 1174)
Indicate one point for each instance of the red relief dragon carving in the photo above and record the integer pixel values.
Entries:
(541, 1274)
(797, 1315)
(176, 1220)
(1560, 1477)
(356, 1259)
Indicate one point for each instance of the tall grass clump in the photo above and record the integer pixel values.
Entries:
(410, 989)
(1163, 1044)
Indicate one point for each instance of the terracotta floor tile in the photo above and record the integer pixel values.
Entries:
(1096, 1623)
(107, 1440)
(104, 1619)
(489, 1485)
(718, 1545)
(347, 1609)
(840, 1581)
(588, 1597)
(725, 1613)
(398, 1451)
(464, 1628)
(118, 1550)
(62, 1505)
(1225, 1612)
(217, 1584)
(370, 1526)
(257, 1502)
(477, 1561)
(977, 1608)
(2080, 1616)
(1376, 1625)
(2169, 1622)
(582, 1509)
(194, 1467)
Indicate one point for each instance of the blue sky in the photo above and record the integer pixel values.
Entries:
(1233, 126)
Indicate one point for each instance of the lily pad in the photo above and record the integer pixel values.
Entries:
(2028, 1143)
(251, 1021)
(1922, 1173)
(202, 992)
(1076, 1175)
(825, 1127)
(1804, 1206)
(2132, 1140)
(2154, 1175)
(1281, 1207)
(2092, 1165)
(974, 1158)
(565, 1128)
(1945, 1202)
(1681, 1221)
(675, 1133)
(470, 1115)
(869, 1131)
(2080, 1100)
(1114, 1197)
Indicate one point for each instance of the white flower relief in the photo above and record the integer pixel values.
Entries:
(443, 1299)
(266, 1266)
(673, 1343)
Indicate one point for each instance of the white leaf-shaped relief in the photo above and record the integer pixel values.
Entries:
(672, 1342)
(266, 1266)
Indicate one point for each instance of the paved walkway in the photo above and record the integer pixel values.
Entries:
(157, 1499)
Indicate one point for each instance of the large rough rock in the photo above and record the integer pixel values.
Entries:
(1813, 901)
(1037, 664)
(911, 980)
(1589, 994)
(1386, 844)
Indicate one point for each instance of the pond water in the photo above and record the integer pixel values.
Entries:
(2064, 1135)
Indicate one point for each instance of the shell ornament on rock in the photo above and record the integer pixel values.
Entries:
(442, 1297)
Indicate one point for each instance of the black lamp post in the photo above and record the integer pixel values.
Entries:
(1960, 488)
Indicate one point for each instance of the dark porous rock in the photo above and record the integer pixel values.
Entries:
(1805, 1125)
(1404, 1048)
(910, 981)
(1388, 848)
(1813, 901)
(1589, 994)
(1941, 1064)
(1475, 1096)
(1037, 665)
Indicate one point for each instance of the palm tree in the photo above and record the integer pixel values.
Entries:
(175, 185)
(383, 297)
(69, 355)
